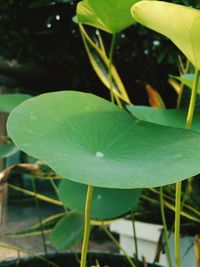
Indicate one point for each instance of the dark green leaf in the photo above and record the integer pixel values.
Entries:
(68, 231)
(106, 203)
(10, 101)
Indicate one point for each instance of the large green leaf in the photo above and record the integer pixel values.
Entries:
(111, 16)
(89, 140)
(10, 101)
(167, 117)
(73, 195)
(179, 23)
(68, 231)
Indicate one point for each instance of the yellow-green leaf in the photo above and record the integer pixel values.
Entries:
(179, 23)
(111, 16)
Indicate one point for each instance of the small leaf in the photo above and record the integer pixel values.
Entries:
(155, 99)
(68, 231)
(73, 195)
(10, 101)
(7, 150)
(89, 140)
(111, 16)
(179, 23)
(176, 85)
(187, 79)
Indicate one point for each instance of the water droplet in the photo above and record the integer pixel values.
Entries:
(32, 116)
(178, 156)
(48, 25)
(156, 42)
(99, 154)
(57, 17)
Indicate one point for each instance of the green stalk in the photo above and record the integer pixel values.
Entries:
(177, 224)
(184, 71)
(18, 258)
(162, 209)
(110, 67)
(179, 184)
(54, 187)
(87, 226)
(134, 236)
(39, 217)
(192, 100)
(118, 245)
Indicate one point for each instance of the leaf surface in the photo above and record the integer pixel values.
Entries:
(89, 140)
(106, 14)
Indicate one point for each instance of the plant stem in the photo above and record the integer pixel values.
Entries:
(87, 226)
(177, 224)
(179, 184)
(134, 236)
(118, 245)
(39, 217)
(192, 100)
(162, 209)
(110, 67)
(185, 70)
(54, 187)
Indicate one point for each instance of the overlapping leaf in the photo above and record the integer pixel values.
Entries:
(167, 117)
(73, 195)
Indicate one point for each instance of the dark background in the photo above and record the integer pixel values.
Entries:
(39, 53)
